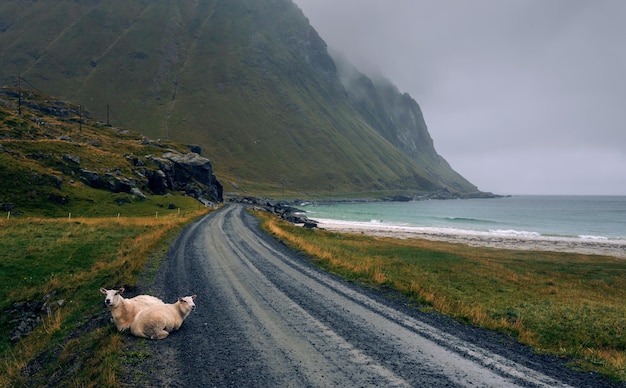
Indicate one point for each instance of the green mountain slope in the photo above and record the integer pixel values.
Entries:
(249, 81)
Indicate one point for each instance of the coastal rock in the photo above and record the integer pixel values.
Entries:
(280, 209)
(190, 173)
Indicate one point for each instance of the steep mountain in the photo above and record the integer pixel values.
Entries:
(249, 81)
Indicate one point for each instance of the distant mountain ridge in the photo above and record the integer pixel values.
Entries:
(249, 81)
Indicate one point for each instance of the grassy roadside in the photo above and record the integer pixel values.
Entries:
(67, 261)
(566, 304)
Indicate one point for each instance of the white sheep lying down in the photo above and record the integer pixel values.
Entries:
(156, 322)
(124, 310)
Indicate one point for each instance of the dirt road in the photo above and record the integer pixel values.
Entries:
(265, 317)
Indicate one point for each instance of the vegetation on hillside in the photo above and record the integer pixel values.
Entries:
(44, 150)
(250, 81)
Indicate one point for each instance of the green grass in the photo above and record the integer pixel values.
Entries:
(565, 304)
(62, 238)
(71, 259)
(570, 305)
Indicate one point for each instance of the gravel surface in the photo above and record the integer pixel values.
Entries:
(266, 317)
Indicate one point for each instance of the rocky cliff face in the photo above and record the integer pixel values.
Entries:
(397, 117)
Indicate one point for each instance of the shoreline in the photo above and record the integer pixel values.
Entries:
(614, 248)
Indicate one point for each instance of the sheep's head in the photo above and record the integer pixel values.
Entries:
(112, 297)
(188, 301)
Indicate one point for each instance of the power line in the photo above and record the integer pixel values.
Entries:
(32, 85)
(20, 79)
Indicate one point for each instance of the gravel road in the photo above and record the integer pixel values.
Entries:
(265, 317)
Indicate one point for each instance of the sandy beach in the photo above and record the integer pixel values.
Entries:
(615, 248)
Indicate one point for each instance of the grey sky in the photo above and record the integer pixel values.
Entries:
(520, 96)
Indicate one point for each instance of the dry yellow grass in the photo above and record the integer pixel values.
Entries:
(567, 304)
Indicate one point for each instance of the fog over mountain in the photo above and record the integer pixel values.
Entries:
(521, 97)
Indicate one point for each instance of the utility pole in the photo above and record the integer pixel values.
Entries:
(80, 118)
(108, 121)
(19, 95)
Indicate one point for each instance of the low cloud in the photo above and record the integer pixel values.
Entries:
(519, 96)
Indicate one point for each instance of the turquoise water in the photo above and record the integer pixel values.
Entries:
(590, 217)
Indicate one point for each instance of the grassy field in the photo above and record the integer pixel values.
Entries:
(565, 304)
(70, 259)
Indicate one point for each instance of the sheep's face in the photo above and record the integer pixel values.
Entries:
(188, 301)
(112, 297)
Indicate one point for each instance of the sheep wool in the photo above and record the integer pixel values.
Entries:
(123, 311)
(157, 322)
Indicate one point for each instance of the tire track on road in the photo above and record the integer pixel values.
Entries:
(266, 317)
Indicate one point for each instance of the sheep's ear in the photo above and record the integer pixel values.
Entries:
(120, 291)
(193, 297)
(180, 299)
(103, 290)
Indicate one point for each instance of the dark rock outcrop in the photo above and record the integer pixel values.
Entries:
(190, 173)
(107, 181)
(280, 209)
(157, 181)
(91, 178)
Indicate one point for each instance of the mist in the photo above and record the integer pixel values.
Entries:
(520, 97)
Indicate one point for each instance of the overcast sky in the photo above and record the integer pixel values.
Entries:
(520, 96)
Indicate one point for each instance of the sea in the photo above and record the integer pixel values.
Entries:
(582, 217)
